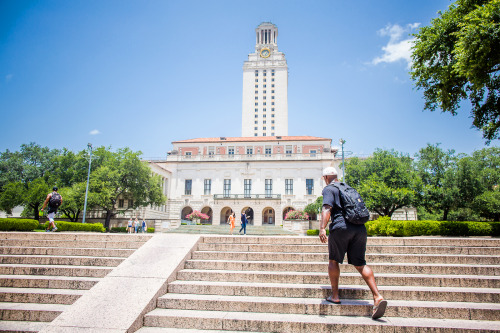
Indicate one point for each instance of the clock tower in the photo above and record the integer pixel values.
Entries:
(265, 87)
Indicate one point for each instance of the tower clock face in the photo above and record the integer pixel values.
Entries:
(265, 53)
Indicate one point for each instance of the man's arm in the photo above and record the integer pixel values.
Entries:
(46, 201)
(325, 217)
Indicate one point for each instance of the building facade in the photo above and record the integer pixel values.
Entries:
(264, 177)
(265, 87)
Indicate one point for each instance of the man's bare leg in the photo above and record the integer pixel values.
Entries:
(334, 274)
(367, 274)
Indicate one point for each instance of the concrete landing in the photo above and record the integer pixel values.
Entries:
(120, 300)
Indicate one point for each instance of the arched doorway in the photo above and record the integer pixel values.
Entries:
(185, 211)
(207, 210)
(286, 210)
(248, 211)
(268, 216)
(224, 214)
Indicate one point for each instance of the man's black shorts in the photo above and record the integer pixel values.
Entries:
(351, 240)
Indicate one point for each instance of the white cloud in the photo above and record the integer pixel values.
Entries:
(8, 77)
(399, 45)
(94, 132)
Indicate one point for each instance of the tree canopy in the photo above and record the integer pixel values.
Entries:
(457, 57)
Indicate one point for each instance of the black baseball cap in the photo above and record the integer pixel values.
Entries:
(54, 188)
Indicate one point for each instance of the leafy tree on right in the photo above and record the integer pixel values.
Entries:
(457, 57)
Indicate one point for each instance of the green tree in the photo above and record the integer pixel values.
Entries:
(122, 174)
(437, 170)
(386, 181)
(457, 57)
(488, 205)
(315, 207)
(74, 200)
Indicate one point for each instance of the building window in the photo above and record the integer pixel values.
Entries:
(264, 122)
(264, 97)
(272, 91)
(248, 188)
(188, 154)
(264, 73)
(272, 127)
(256, 122)
(272, 134)
(264, 128)
(272, 85)
(288, 151)
(230, 151)
(289, 186)
(272, 74)
(264, 91)
(207, 186)
(255, 134)
(265, 80)
(272, 121)
(264, 110)
(257, 104)
(131, 203)
(256, 110)
(121, 203)
(309, 186)
(249, 151)
(272, 116)
(256, 116)
(269, 187)
(256, 73)
(264, 86)
(255, 128)
(273, 79)
(268, 151)
(264, 103)
(187, 186)
(227, 187)
(256, 86)
(272, 109)
(211, 152)
(264, 116)
(313, 153)
(256, 80)
(272, 102)
(257, 97)
(272, 97)
(264, 134)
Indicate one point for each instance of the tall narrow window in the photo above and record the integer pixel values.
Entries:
(207, 186)
(211, 152)
(269, 188)
(249, 151)
(309, 186)
(187, 186)
(288, 151)
(248, 188)
(268, 151)
(289, 186)
(227, 187)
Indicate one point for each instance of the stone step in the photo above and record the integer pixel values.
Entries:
(71, 244)
(60, 260)
(22, 326)
(181, 330)
(370, 249)
(393, 268)
(386, 241)
(383, 279)
(30, 311)
(57, 270)
(39, 295)
(370, 258)
(60, 251)
(75, 236)
(317, 306)
(435, 294)
(270, 322)
(51, 282)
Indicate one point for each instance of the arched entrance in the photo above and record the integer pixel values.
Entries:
(268, 216)
(224, 214)
(207, 210)
(286, 210)
(248, 211)
(185, 211)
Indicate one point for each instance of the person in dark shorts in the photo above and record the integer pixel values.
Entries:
(53, 200)
(345, 238)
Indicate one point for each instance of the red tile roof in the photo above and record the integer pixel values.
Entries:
(254, 139)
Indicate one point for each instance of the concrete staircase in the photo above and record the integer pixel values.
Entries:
(264, 230)
(42, 274)
(278, 284)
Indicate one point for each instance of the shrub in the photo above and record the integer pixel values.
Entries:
(74, 226)
(118, 229)
(495, 228)
(11, 224)
(150, 230)
(296, 215)
(315, 232)
(421, 228)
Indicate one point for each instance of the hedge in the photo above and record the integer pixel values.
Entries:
(10, 224)
(384, 226)
(124, 230)
(74, 226)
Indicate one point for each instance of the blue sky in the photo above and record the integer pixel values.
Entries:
(142, 74)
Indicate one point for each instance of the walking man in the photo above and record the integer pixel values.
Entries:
(244, 222)
(54, 200)
(345, 238)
